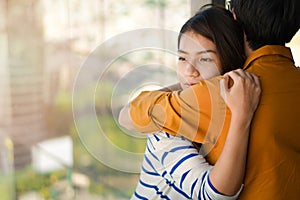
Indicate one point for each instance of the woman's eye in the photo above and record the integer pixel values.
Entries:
(181, 59)
(206, 60)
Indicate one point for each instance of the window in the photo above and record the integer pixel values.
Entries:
(46, 44)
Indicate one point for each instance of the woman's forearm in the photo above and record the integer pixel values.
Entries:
(228, 173)
(242, 98)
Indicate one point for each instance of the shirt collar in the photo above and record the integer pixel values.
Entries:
(267, 51)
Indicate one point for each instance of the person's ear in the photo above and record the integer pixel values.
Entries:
(233, 13)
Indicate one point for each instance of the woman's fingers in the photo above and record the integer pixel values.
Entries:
(250, 76)
(240, 75)
(226, 83)
(236, 74)
(256, 79)
(244, 95)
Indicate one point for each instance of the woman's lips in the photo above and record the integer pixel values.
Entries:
(189, 84)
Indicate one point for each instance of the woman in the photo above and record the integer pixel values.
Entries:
(209, 44)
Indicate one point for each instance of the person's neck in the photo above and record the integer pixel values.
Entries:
(248, 50)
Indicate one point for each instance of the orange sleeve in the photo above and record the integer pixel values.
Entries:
(188, 113)
(140, 109)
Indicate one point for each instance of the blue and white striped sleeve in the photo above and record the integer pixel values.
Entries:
(208, 191)
(187, 168)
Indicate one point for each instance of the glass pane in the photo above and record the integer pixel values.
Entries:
(45, 44)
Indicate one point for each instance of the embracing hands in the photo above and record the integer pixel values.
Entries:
(244, 95)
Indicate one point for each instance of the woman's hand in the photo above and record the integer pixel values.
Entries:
(243, 96)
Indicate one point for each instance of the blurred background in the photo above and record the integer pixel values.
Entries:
(43, 44)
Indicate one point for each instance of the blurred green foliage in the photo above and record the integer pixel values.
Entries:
(5, 190)
(28, 180)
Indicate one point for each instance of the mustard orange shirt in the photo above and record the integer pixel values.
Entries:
(200, 114)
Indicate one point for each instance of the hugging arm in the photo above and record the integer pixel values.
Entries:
(187, 112)
(224, 180)
(242, 99)
(124, 115)
(227, 175)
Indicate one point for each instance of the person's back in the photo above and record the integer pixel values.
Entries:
(273, 165)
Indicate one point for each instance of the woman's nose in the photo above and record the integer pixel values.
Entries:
(191, 71)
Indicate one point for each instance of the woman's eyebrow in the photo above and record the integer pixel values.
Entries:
(181, 51)
(199, 52)
(207, 51)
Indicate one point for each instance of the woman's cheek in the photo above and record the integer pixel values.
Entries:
(209, 72)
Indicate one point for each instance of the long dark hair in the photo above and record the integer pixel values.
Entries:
(218, 25)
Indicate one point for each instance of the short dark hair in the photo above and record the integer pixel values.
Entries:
(267, 22)
(217, 24)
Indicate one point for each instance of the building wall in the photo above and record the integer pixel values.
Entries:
(25, 72)
(4, 78)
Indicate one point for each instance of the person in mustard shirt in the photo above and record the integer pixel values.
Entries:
(273, 162)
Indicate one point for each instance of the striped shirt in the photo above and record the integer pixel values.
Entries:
(173, 169)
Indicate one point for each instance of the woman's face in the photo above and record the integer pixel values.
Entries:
(197, 59)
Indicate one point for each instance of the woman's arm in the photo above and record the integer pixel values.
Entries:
(242, 99)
